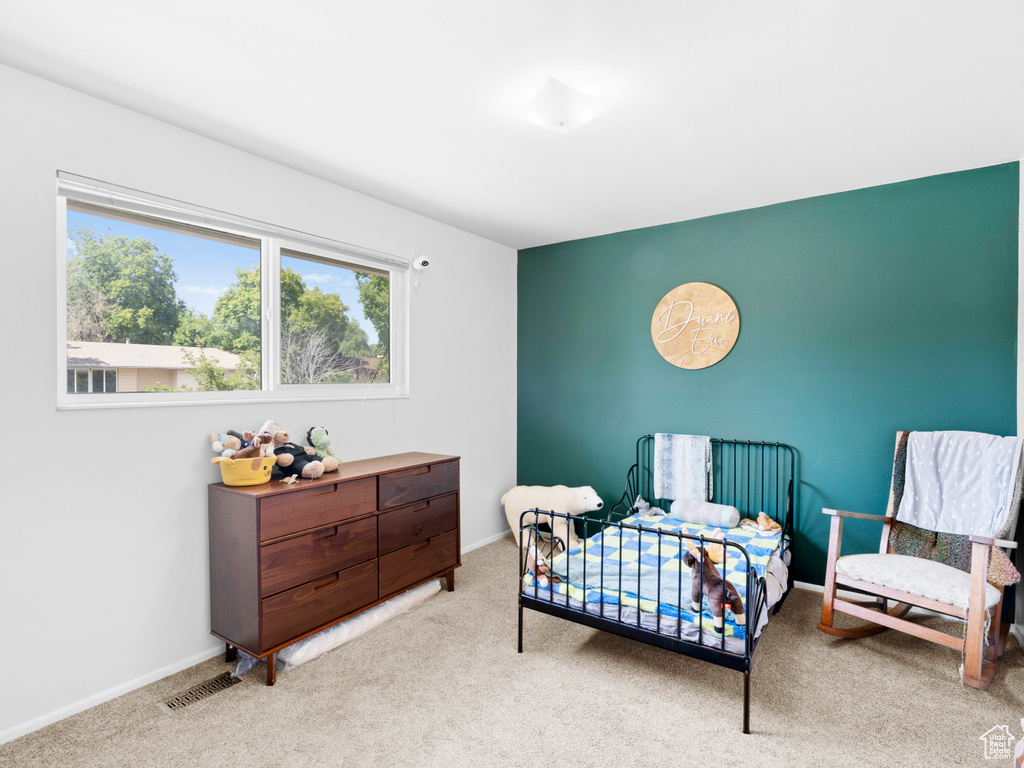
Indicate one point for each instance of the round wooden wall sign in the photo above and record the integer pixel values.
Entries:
(695, 325)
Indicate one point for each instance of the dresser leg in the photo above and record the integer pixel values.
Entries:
(230, 652)
(271, 670)
(450, 578)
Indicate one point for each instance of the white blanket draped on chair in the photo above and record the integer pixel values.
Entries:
(959, 482)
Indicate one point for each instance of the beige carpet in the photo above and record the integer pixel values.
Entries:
(444, 686)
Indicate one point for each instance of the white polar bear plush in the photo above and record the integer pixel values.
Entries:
(554, 498)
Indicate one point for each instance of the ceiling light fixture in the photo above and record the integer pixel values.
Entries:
(561, 108)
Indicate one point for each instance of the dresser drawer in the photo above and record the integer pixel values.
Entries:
(295, 612)
(316, 507)
(406, 566)
(290, 562)
(409, 525)
(409, 485)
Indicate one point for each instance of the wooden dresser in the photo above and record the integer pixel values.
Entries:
(287, 561)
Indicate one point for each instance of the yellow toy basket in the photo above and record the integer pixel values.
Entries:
(252, 471)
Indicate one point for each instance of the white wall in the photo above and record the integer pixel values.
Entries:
(103, 530)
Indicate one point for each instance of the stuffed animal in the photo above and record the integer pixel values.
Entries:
(713, 546)
(644, 508)
(317, 437)
(280, 438)
(555, 498)
(763, 523)
(266, 441)
(278, 435)
(712, 588)
(271, 436)
(251, 450)
(225, 444)
(293, 460)
(538, 566)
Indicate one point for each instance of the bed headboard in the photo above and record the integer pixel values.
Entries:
(749, 475)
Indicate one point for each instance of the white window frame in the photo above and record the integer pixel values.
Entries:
(272, 239)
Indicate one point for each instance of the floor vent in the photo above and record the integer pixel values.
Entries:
(199, 692)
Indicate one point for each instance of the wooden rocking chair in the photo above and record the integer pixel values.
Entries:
(924, 568)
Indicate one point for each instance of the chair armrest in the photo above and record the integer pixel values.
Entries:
(855, 515)
(988, 540)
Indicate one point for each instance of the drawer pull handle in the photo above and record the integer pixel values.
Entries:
(424, 545)
(325, 533)
(425, 505)
(421, 471)
(326, 581)
(326, 491)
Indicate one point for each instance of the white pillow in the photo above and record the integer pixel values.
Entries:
(704, 512)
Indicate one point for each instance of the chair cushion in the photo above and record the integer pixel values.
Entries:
(949, 549)
(915, 575)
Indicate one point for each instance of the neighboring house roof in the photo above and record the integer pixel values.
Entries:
(100, 354)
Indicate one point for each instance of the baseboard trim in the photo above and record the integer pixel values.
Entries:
(820, 588)
(485, 542)
(111, 693)
(808, 585)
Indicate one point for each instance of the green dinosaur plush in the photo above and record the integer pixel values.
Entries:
(318, 438)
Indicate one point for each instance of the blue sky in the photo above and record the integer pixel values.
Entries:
(206, 268)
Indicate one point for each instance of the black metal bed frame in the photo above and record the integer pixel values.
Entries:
(751, 476)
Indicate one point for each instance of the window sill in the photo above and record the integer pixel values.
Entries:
(184, 399)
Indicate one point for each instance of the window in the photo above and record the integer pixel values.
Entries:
(333, 316)
(165, 302)
(92, 380)
(176, 307)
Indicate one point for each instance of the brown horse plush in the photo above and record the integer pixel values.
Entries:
(712, 586)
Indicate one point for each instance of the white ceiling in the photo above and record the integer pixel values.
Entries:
(714, 106)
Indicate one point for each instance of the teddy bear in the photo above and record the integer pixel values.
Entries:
(318, 438)
(555, 498)
(292, 460)
(710, 586)
(280, 437)
(225, 444)
(271, 437)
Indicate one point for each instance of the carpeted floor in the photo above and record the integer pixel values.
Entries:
(444, 686)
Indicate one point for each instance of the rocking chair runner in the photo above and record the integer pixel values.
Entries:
(928, 575)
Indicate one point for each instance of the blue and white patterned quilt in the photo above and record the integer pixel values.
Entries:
(624, 566)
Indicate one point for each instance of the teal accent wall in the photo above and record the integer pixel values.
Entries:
(862, 313)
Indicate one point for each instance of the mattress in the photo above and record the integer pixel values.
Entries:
(635, 574)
